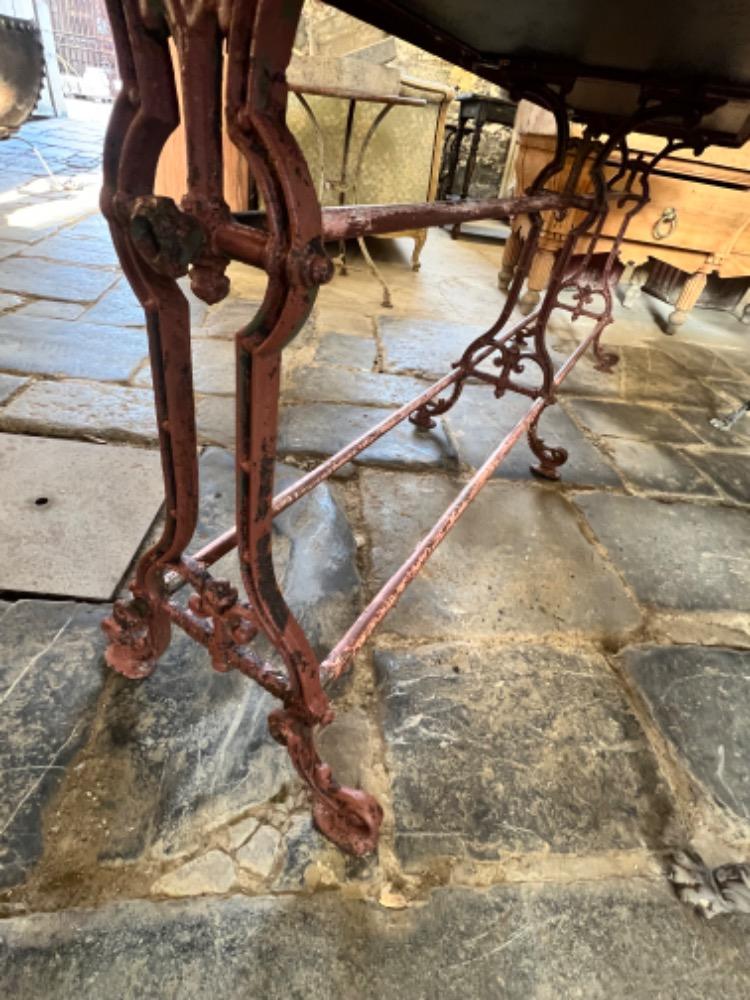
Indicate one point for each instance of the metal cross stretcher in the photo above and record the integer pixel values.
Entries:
(157, 242)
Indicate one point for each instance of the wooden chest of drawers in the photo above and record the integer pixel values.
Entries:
(698, 220)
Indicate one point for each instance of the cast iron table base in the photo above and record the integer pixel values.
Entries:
(157, 242)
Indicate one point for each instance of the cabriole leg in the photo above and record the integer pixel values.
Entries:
(420, 238)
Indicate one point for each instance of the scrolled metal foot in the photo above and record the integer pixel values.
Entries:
(605, 360)
(550, 459)
(348, 817)
(137, 638)
(422, 420)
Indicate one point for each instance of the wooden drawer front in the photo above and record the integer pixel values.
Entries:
(742, 243)
(708, 218)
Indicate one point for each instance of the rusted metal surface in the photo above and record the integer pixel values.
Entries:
(357, 95)
(361, 220)
(157, 241)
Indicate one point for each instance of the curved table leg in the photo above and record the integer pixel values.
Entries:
(256, 115)
(144, 115)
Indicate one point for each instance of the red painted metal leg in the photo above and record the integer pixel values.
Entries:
(145, 113)
(256, 114)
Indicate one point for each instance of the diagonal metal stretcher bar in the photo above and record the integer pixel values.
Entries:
(214, 550)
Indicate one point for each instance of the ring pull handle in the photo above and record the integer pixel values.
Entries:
(666, 224)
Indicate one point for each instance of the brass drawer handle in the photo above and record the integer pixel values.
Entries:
(666, 224)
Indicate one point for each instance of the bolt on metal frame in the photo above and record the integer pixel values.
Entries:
(157, 242)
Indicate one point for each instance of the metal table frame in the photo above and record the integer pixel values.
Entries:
(157, 242)
(348, 180)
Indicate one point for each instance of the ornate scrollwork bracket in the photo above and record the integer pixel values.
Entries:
(233, 622)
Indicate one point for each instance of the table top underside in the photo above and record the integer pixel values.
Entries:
(702, 43)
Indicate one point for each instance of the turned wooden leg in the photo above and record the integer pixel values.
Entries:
(539, 275)
(511, 253)
(689, 295)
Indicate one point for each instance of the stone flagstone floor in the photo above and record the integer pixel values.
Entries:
(558, 700)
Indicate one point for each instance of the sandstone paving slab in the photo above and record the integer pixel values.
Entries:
(72, 514)
(727, 395)
(52, 309)
(505, 749)
(516, 561)
(213, 367)
(10, 384)
(731, 470)
(92, 227)
(8, 301)
(630, 420)
(428, 348)
(7, 249)
(71, 283)
(77, 349)
(649, 374)
(584, 379)
(699, 698)
(76, 409)
(25, 234)
(328, 384)
(229, 316)
(479, 422)
(592, 940)
(216, 418)
(50, 678)
(120, 307)
(681, 556)
(719, 365)
(320, 429)
(699, 422)
(347, 350)
(658, 468)
(189, 748)
(95, 252)
(423, 347)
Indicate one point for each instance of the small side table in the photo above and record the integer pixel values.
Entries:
(346, 182)
(481, 110)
